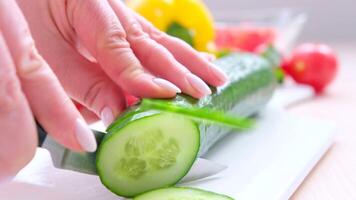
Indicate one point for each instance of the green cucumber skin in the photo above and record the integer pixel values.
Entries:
(157, 192)
(251, 85)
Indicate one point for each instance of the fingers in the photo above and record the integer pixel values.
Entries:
(84, 81)
(185, 54)
(105, 39)
(155, 57)
(18, 138)
(48, 101)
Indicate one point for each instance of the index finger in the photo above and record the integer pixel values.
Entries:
(47, 99)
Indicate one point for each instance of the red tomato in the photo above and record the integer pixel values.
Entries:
(312, 64)
(244, 37)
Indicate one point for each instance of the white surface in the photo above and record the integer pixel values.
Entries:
(290, 94)
(269, 162)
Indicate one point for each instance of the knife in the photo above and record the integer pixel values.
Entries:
(84, 162)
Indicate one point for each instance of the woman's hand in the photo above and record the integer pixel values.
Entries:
(29, 88)
(97, 48)
(100, 51)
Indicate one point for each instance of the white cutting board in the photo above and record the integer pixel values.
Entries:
(268, 162)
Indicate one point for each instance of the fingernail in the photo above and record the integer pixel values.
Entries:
(166, 84)
(218, 74)
(85, 136)
(198, 84)
(107, 116)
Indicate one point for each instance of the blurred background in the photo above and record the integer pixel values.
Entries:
(328, 21)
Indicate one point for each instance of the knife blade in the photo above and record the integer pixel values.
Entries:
(84, 162)
(202, 168)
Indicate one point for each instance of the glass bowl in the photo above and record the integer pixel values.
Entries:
(286, 23)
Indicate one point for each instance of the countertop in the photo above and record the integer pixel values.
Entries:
(334, 177)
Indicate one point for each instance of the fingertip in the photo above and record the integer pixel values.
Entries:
(201, 88)
(107, 115)
(151, 87)
(85, 136)
(218, 75)
(166, 85)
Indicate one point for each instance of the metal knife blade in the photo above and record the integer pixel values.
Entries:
(64, 158)
(202, 168)
(84, 162)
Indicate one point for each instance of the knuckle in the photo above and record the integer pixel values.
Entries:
(131, 67)
(113, 39)
(135, 32)
(93, 93)
(30, 64)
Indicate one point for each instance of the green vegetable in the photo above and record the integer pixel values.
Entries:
(198, 114)
(223, 52)
(272, 55)
(275, 58)
(280, 75)
(181, 193)
(149, 149)
(181, 32)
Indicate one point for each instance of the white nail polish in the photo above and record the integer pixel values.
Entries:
(107, 116)
(218, 73)
(85, 136)
(198, 84)
(166, 84)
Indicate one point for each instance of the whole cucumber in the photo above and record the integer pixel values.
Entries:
(250, 86)
(146, 150)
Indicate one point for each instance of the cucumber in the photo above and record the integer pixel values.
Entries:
(149, 153)
(147, 149)
(181, 193)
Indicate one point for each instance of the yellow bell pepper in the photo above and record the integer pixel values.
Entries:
(188, 19)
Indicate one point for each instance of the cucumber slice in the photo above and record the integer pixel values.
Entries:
(148, 153)
(251, 84)
(181, 193)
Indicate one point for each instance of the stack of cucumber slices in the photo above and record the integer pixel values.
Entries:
(147, 148)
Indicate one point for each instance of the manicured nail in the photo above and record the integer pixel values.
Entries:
(107, 116)
(166, 84)
(198, 84)
(218, 74)
(85, 136)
